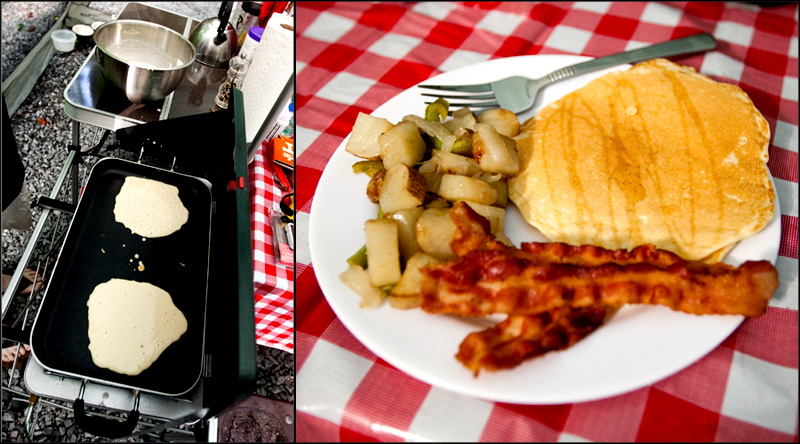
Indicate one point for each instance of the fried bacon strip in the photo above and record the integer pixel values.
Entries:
(485, 282)
(514, 281)
(522, 337)
(562, 275)
(472, 233)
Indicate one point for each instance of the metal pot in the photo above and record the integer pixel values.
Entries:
(145, 60)
(215, 39)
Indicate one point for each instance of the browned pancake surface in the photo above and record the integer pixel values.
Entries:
(656, 154)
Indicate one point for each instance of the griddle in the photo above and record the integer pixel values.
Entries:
(98, 248)
(212, 147)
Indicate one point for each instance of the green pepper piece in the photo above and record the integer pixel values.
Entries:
(369, 167)
(359, 258)
(462, 146)
(437, 110)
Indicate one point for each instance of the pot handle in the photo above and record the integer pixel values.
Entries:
(224, 14)
(106, 428)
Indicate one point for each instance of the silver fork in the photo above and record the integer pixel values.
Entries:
(517, 93)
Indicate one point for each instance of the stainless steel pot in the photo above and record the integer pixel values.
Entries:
(145, 60)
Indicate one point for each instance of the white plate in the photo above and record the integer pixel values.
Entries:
(639, 346)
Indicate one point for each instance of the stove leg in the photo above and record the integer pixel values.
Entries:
(76, 141)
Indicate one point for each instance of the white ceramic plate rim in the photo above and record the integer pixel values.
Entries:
(641, 345)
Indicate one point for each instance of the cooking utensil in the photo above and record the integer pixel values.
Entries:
(97, 249)
(215, 39)
(145, 60)
(517, 94)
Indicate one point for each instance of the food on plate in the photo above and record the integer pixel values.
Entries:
(418, 168)
(131, 324)
(521, 337)
(442, 185)
(365, 133)
(514, 281)
(657, 154)
(149, 208)
(485, 282)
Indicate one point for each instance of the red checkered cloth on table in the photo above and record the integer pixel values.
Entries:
(353, 57)
(274, 285)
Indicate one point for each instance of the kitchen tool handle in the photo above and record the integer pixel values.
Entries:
(224, 15)
(686, 45)
(107, 428)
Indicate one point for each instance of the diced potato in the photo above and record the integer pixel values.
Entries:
(503, 120)
(402, 144)
(493, 152)
(439, 202)
(402, 188)
(383, 252)
(407, 230)
(363, 140)
(409, 285)
(435, 230)
(374, 186)
(404, 302)
(499, 183)
(357, 279)
(497, 220)
(455, 188)
(495, 215)
(462, 118)
(455, 164)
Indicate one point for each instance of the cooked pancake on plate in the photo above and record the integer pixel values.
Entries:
(657, 154)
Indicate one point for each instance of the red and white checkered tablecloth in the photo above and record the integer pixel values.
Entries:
(274, 285)
(353, 57)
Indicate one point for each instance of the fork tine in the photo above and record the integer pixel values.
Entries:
(474, 97)
(464, 88)
(492, 104)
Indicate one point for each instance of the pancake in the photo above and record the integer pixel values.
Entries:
(149, 208)
(131, 324)
(657, 154)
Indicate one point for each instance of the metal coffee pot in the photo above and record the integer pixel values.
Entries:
(215, 38)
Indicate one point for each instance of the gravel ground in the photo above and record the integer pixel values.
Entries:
(43, 148)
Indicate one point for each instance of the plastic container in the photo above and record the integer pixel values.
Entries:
(64, 40)
(250, 44)
(244, 15)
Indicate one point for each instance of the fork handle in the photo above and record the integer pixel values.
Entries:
(686, 45)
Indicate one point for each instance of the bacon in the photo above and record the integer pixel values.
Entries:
(486, 282)
(556, 294)
(522, 337)
(472, 233)
(501, 279)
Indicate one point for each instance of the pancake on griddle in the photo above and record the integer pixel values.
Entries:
(130, 324)
(149, 208)
(656, 154)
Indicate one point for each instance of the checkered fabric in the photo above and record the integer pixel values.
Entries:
(353, 57)
(274, 285)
